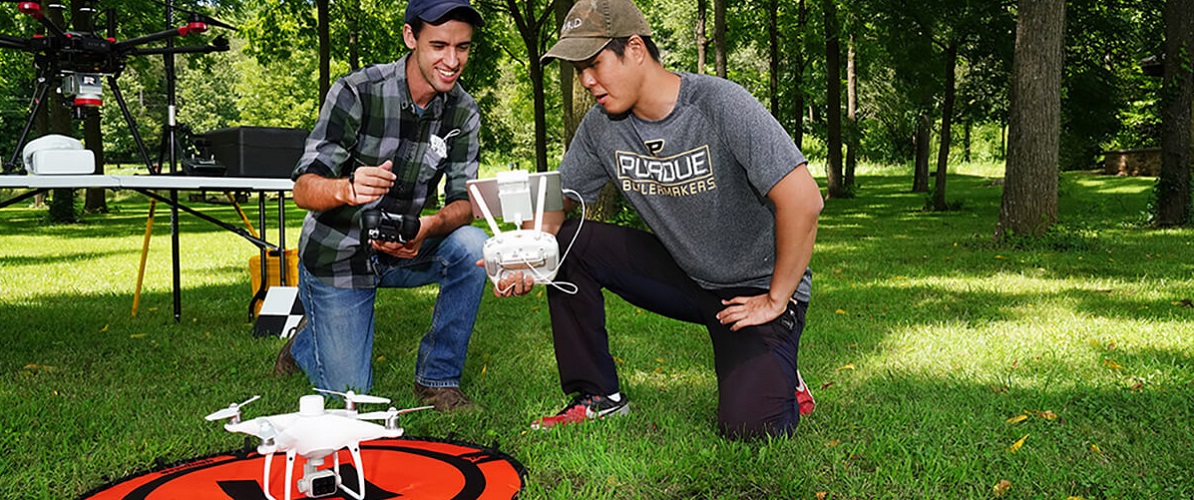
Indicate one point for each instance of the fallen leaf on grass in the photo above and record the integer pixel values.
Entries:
(104, 329)
(1109, 363)
(1137, 386)
(1047, 415)
(833, 443)
(822, 495)
(827, 384)
(1095, 449)
(1001, 487)
(1017, 445)
(137, 336)
(846, 367)
(1017, 419)
(1000, 257)
(839, 311)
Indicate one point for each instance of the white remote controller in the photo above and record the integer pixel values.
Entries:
(531, 251)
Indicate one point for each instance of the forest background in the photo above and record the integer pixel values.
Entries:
(890, 81)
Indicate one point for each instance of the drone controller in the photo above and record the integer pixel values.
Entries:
(381, 225)
(530, 251)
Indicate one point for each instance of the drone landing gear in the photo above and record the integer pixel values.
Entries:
(317, 483)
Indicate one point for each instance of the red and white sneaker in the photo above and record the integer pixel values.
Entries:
(804, 397)
(585, 407)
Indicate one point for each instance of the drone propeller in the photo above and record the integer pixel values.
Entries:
(381, 415)
(356, 398)
(231, 411)
(198, 16)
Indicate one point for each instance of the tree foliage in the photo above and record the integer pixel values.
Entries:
(901, 48)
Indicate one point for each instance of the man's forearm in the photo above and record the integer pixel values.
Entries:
(317, 193)
(448, 219)
(797, 205)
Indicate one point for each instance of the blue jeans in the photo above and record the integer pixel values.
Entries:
(335, 349)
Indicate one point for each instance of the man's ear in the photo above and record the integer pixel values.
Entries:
(637, 49)
(408, 36)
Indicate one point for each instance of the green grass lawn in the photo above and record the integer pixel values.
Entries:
(925, 342)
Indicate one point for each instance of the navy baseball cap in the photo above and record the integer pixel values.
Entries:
(431, 11)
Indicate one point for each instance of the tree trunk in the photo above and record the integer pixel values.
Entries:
(966, 141)
(719, 36)
(1029, 206)
(536, 71)
(530, 28)
(702, 41)
(62, 201)
(352, 19)
(567, 78)
(773, 83)
(1173, 184)
(833, 110)
(95, 199)
(798, 74)
(325, 49)
(920, 174)
(947, 112)
(851, 115)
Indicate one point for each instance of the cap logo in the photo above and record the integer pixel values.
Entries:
(572, 24)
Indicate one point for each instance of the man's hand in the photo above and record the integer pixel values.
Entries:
(513, 285)
(367, 184)
(742, 312)
(406, 250)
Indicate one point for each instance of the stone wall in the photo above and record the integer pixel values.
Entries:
(1135, 162)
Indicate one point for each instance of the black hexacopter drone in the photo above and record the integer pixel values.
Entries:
(76, 62)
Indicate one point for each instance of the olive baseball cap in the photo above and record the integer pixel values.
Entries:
(591, 24)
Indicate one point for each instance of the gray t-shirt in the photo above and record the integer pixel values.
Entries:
(699, 178)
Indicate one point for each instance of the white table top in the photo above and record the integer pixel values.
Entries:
(191, 183)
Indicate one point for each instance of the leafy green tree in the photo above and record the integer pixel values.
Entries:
(534, 20)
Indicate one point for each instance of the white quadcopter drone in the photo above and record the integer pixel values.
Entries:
(315, 432)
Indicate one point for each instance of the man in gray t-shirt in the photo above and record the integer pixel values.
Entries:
(732, 207)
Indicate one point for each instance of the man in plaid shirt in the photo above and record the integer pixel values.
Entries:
(385, 134)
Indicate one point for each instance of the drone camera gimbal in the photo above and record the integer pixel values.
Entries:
(77, 62)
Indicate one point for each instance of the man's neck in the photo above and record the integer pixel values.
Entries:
(658, 95)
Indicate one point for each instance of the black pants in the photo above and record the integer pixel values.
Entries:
(756, 366)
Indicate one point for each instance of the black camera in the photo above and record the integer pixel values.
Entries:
(317, 484)
(381, 225)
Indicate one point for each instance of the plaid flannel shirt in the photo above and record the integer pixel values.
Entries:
(368, 118)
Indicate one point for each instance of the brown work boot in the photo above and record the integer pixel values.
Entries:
(443, 398)
(285, 365)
